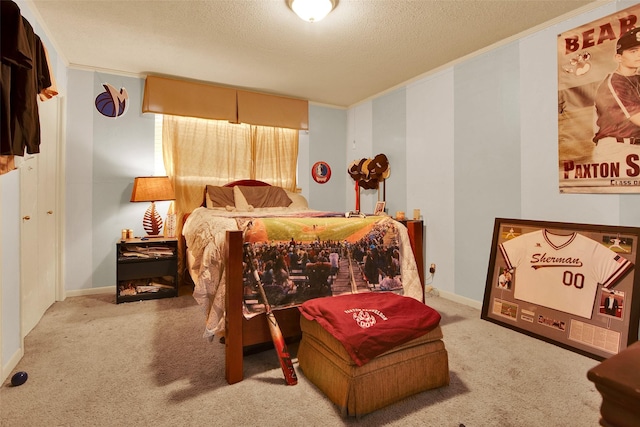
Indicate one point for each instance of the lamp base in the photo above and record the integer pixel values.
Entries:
(152, 221)
(170, 222)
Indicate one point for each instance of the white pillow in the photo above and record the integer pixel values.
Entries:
(298, 201)
(240, 201)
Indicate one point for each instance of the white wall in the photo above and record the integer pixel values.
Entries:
(430, 187)
(10, 339)
(482, 143)
(390, 138)
(79, 185)
(474, 141)
(359, 145)
(106, 154)
(327, 130)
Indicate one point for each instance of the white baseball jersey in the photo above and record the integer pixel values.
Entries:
(562, 272)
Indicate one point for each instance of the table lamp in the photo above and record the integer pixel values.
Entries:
(152, 189)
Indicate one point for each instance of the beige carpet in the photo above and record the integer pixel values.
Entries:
(94, 363)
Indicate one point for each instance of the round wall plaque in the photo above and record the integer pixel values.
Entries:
(321, 172)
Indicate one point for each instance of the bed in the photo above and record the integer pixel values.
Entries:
(326, 254)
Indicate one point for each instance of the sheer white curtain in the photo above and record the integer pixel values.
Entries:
(275, 155)
(198, 152)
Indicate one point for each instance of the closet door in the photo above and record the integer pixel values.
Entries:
(39, 244)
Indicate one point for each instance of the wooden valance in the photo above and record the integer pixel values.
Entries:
(189, 99)
(164, 95)
(270, 110)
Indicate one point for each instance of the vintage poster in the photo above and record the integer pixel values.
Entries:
(599, 105)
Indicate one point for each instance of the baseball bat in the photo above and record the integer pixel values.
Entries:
(276, 334)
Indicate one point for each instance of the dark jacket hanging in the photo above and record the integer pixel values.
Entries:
(25, 72)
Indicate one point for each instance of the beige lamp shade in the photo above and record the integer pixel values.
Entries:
(152, 189)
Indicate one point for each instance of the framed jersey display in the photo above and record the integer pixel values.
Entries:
(573, 285)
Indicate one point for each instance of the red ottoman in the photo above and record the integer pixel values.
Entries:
(359, 388)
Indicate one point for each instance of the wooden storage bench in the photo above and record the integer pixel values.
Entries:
(618, 381)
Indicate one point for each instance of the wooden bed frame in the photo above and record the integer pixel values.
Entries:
(242, 334)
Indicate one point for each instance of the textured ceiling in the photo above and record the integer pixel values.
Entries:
(362, 48)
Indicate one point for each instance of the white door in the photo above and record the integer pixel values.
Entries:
(39, 248)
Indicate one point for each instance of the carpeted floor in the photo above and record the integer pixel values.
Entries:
(94, 363)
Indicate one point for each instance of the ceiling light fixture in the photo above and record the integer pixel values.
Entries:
(312, 10)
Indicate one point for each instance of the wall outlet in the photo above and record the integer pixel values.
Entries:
(432, 269)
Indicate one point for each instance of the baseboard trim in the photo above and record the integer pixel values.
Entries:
(460, 299)
(11, 364)
(90, 291)
(111, 290)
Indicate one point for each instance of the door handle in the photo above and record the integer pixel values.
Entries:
(49, 212)
(26, 217)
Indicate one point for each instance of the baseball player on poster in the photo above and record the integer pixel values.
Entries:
(599, 106)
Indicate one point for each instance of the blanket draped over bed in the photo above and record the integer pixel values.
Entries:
(299, 256)
(370, 324)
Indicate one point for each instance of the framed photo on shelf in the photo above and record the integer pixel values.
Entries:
(379, 208)
(573, 285)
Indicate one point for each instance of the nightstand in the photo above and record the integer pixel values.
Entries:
(146, 269)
